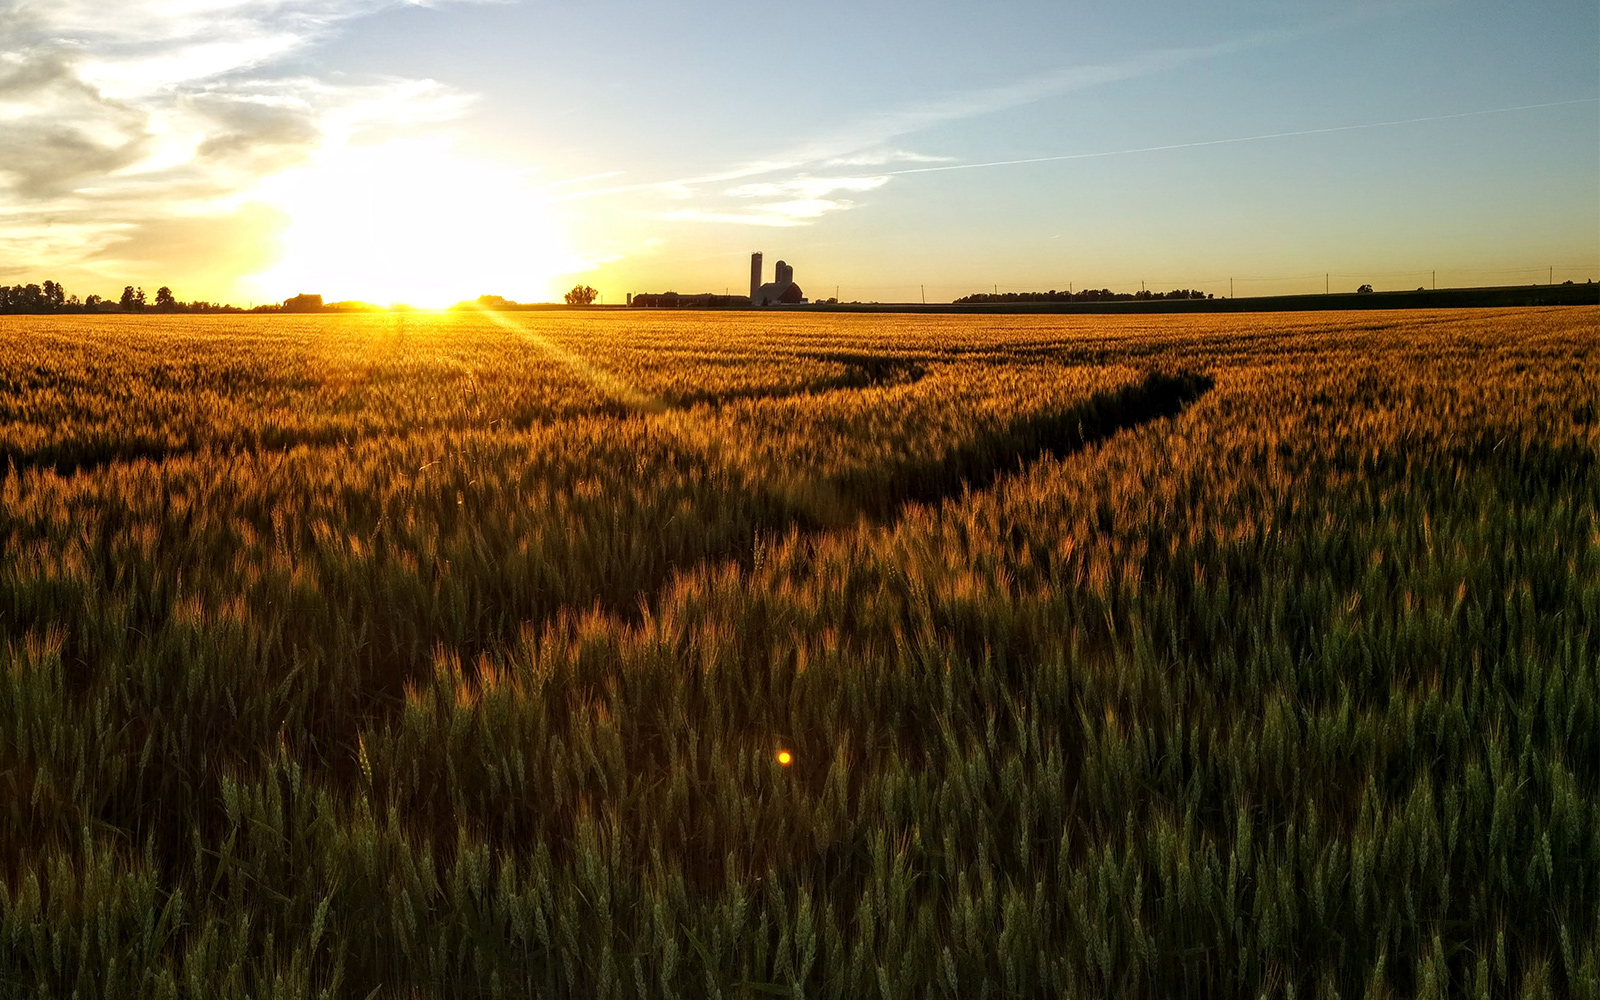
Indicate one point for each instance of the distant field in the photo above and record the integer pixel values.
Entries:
(1119, 656)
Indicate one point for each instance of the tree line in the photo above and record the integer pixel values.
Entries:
(51, 297)
(1085, 295)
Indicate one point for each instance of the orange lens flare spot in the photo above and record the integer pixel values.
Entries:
(785, 758)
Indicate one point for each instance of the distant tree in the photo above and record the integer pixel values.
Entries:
(1364, 290)
(582, 295)
(164, 300)
(303, 303)
(131, 301)
(92, 303)
(491, 302)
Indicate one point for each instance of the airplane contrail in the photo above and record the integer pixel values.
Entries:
(1243, 138)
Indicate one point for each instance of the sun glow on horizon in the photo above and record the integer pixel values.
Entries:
(410, 221)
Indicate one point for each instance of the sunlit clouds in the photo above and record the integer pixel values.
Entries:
(142, 142)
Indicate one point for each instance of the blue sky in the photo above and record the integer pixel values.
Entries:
(370, 149)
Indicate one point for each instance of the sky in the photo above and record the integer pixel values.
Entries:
(889, 151)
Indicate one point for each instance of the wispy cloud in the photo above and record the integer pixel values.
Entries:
(871, 139)
(793, 201)
(796, 178)
(884, 157)
(119, 121)
(790, 212)
(807, 187)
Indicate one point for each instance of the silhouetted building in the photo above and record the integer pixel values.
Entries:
(782, 291)
(673, 300)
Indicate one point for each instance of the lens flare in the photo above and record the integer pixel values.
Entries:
(785, 758)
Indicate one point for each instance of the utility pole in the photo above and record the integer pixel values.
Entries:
(1552, 274)
(1230, 288)
(924, 293)
(835, 292)
(1436, 279)
(997, 291)
(1327, 283)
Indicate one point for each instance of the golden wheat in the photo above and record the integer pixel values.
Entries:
(1116, 656)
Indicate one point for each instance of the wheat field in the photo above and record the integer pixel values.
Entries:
(451, 655)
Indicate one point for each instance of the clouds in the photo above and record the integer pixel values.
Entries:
(22, 74)
(789, 192)
(795, 201)
(41, 159)
(123, 123)
(242, 126)
(884, 157)
(807, 187)
(55, 129)
(203, 251)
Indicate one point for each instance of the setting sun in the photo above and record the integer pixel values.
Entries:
(413, 222)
